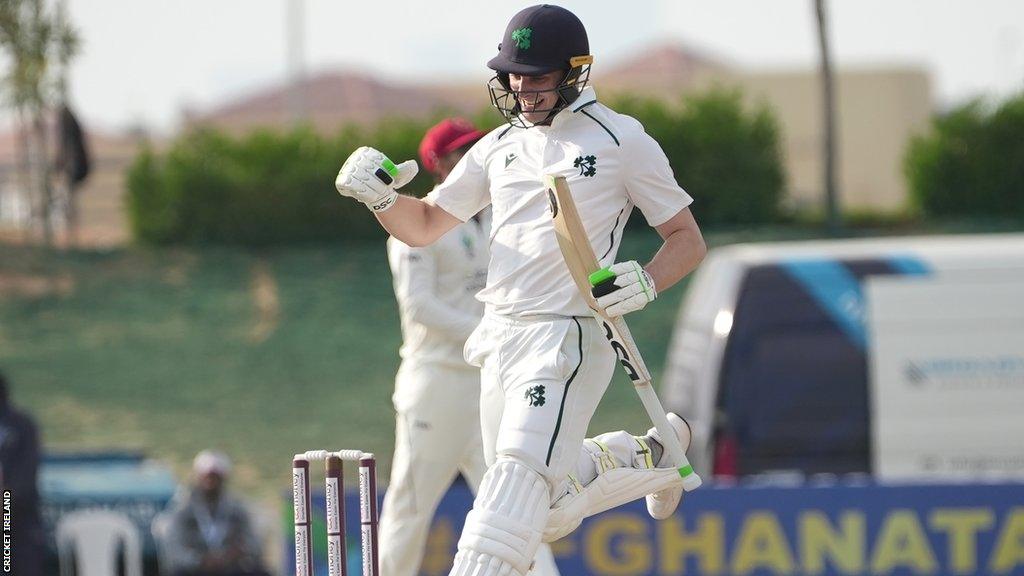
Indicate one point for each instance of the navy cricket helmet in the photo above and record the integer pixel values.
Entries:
(538, 40)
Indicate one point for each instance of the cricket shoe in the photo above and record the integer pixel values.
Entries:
(663, 503)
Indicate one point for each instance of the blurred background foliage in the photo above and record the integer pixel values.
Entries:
(971, 162)
(276, 188)
(732, 155)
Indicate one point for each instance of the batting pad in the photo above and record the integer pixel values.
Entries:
(504, 529)
(610, 489)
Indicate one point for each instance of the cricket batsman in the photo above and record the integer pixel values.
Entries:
(437, 394)
(544, 360)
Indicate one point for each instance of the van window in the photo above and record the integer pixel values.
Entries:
(793, 389)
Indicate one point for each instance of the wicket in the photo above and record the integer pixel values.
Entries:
(335, 504)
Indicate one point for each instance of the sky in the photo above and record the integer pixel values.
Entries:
(143, 62)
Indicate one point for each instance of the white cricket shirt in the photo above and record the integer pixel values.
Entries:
(611, 165)
(435, 288)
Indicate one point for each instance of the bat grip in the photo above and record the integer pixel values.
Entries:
(602, 282)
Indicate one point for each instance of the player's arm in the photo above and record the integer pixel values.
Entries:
(416, 222)
(652, 186)
(635, 286)
(373, 179)
(415, 277)
(681, 252)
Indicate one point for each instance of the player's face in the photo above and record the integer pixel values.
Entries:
(210, 484)
(535, 94)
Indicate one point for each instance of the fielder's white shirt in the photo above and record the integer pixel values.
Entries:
(611, 165)
(435, 288)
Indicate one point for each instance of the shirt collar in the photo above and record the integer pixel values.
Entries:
(587, 96)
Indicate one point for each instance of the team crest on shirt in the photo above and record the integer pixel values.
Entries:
(587, 165)
(535, 395)
(467, 245)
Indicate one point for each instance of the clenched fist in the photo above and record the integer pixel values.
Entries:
(371, 178)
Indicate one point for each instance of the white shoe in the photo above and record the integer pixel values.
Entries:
(663, 504)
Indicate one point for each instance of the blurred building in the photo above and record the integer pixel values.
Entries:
(664, 70)
(878, 110)
(331, 100)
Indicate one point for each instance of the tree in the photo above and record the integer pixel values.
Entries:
(828, 97)
(37, 41)
(970, 163)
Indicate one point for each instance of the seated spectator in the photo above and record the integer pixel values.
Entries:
(208, 532)
(19, 466)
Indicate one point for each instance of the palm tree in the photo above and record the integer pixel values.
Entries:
(35, 39)
(829, 146)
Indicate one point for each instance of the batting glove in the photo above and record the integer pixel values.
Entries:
(629, 289)
(371, 178)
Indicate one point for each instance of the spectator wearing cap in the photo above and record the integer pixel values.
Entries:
(209, 532)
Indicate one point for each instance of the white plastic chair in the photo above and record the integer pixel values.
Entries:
(91, 539)
(159, 529)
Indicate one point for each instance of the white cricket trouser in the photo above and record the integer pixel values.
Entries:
(542, 380)
(437, 435)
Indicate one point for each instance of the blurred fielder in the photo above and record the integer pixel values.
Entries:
(437, 394)
(544, 360)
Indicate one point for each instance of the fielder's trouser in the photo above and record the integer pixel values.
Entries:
(437, 435)
(542, 380)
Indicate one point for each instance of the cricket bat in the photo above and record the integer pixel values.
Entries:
(586, 272)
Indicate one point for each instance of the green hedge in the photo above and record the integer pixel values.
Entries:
(272, 188)
(971, 162)
(729, 159)
(267, 188)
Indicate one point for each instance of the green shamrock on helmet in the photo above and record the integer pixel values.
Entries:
(521, 36)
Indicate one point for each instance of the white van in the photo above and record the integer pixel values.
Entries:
(898, 357)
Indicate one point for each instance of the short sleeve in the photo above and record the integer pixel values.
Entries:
(649, 180)
(465, 191)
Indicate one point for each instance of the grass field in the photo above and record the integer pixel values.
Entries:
(259, 353)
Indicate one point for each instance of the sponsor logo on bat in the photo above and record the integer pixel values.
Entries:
(621, 352)
(554, 203)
